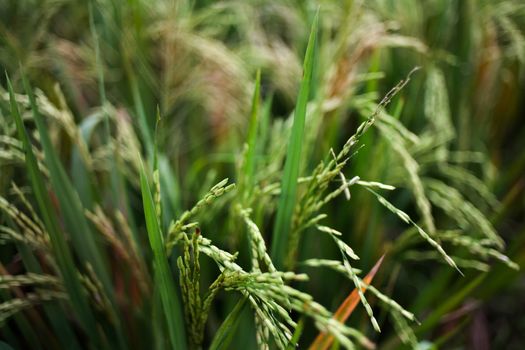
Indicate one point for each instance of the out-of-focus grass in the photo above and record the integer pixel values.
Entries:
(451, 142)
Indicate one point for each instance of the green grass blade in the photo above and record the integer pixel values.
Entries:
(169, 190)
(226, 331)
(285, 208)
(296, 335)
(70, 204)
(163, 277)
(61, 251)
(72, 209)
(144, 128)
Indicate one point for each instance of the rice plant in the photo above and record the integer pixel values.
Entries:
(173, 177)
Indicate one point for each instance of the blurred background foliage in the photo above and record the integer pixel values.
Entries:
(452, 140)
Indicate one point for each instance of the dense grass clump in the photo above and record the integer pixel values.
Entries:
(173, 177)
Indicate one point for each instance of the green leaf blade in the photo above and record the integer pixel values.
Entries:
(168, 292)
(224, 334)
(285, 208)
(61, 251)
(69, 201)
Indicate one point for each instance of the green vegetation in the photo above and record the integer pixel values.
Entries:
(262, 174)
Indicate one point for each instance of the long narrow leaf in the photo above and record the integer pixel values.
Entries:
(296, 335)
(164, 279)
(61, 251)
(285, 208)
(224, 334)
(70, 205)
